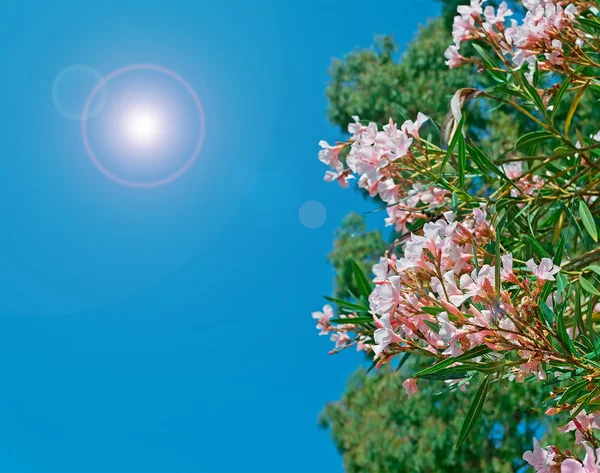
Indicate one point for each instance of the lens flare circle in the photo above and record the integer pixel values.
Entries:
(143, 125)
(72, 81)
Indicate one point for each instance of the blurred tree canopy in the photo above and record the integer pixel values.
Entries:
(354, 242)
(378, 430)
(375, 426)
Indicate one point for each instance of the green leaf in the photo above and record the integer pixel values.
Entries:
(442, 365)
(587, 286)
(546, 313)
(435, 368)
(572, 392)
(346, 304)
(536, 246)
(497, 264)
(454, 202)
(559, 95)
(593, 267)
(490, 62)
(588, 220)
(533, 138)
(485, 163)
(453, 142)
(432, 310)
(581, 406)
(560, 247)
(363, 284)
(441, 376)
(533, 95)
(402, 361)
(462, 160)
(473, 412)
(353, 320)
(572, 109)
(562, 331)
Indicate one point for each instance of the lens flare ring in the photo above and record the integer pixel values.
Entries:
(159, 182)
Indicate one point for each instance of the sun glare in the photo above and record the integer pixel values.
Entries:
(143, 126)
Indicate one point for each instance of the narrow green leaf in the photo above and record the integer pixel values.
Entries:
(559, 95)
(533, 138)
(497, 264)
(473, 412)
(402, 361)
(346, 304)
(491, 64)
(353, 320)
(442, 376)
(546, 313)
(432, 310)
(454, 202)
(533, 95)
(562, 331)
(581, 406)
(577, 314)
(453, 142)
(462, 160)
(561, 283)
(593, 267)
(560, 247)
(536, 246)
(572, 109)
(572, 392)
(587, 286)
(588, 220)
(363, 284)
(486, 164)
(468, 355)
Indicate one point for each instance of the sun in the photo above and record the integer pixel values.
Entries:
(143, 126)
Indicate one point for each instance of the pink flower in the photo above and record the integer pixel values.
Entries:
(534, 367)
(356, 128)
(448, 286)
(323, 318)
(540, 458)
(468, 10)
(498, 17)
(462, 29)
(386, 296)
(480, 284)
(412, 128)
(513, 170)
(556, 56)
(388, 191)
(410, 386)
(545, 271)
(506, 273)
(341, 339)
(582, 422)
(591, 462)
(329, 154)
(453, 57)
(384, 335)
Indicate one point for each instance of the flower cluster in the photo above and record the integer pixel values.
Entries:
(494, 269)
(552, 460)
(437, 298)
(378, 158)
(538, 41)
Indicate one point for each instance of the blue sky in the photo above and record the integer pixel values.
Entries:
(168, 330)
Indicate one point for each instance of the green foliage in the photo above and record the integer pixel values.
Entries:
(378, 430)
(372, 84)
(354, 243)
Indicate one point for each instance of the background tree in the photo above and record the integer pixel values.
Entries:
(378, 430)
